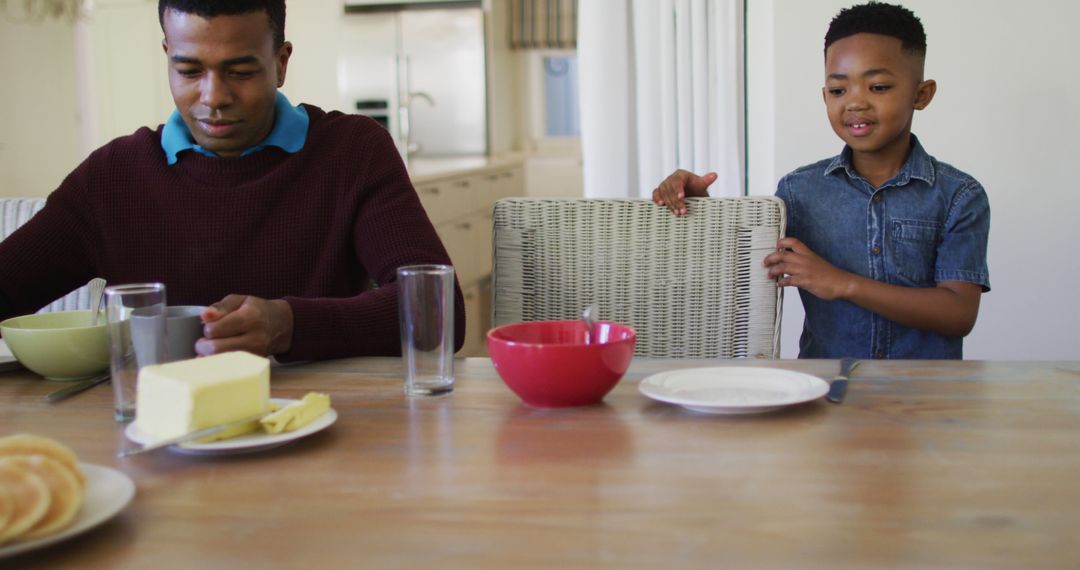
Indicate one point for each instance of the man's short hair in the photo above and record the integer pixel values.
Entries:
(879, 18)
(275, 11)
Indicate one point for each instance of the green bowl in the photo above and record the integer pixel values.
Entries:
(60, 345)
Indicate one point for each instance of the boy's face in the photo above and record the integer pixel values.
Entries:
(224, 73)
(872, 88)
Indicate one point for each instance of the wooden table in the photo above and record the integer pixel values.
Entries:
(927, 464)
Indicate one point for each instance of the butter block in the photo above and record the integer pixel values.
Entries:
(180, 397)
(297, 414)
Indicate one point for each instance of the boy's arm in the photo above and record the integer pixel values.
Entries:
(948, 309)
(679, 185)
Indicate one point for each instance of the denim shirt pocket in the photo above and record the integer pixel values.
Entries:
(915, 244)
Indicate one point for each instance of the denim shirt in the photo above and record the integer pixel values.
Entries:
(929, 223)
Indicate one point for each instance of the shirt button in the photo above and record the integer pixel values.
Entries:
(879, 355)
(876, 250)
(877, 197)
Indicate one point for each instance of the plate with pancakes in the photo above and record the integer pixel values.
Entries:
(46, 495)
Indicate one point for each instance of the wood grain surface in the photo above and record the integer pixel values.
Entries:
(926, 465)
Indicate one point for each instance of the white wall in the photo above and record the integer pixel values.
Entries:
(1005, 112)
(505, 77)
(120, 66)
(37, 106)
(313, 27)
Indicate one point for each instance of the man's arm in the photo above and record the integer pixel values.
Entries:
(52, 253)
(389, 228)
(948, 309)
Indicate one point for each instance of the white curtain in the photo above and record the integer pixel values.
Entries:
(661, 87)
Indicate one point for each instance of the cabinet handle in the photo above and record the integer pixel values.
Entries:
(461, 183)
(492, 177)
(508, 174)
(433, 190)
(465, 226)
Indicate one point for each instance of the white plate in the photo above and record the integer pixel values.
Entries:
(733, 390)
(108, 491)
(255, 441)
(7, 360)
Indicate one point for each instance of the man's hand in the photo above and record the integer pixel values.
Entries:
(242, 322)
(679, 185)
(796, 265)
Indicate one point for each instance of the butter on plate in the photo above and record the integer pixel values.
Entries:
(189, 395)
(235, 431)
(297, 414)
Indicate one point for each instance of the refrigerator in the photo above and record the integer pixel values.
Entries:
(420, 73)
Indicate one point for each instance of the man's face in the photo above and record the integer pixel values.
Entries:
(872, 88)
(224, 73)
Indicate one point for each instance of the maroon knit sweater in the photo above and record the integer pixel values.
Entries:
(312, 228)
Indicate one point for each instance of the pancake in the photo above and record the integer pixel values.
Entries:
(7, 506)
(65, 492)
(31, 500)
(28, 444)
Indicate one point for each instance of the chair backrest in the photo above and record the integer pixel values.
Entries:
(15, 212)
(691, 286)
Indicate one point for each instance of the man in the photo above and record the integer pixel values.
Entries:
(280, 216)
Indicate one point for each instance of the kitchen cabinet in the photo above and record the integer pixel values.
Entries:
(478, 318)
(460, 203)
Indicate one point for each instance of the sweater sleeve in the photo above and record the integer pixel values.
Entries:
(51, 254)
(390, 229)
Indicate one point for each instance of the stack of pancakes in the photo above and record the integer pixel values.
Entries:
(41, 487)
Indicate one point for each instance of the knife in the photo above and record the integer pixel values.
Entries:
(838, 388)
(190, 436)
(65, 393)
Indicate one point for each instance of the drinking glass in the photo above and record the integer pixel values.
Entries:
(426, 313)
(136, 316)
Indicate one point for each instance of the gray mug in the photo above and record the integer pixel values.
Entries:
(184, 327)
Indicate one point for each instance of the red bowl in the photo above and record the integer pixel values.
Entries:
(547, 363)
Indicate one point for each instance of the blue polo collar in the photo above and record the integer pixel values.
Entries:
(289, 132)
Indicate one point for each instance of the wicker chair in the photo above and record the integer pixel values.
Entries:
(692, 286)
(15, 212)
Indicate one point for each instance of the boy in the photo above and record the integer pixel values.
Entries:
(886, 244)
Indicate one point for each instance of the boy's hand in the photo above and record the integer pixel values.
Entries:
(679, 185)
(797, 266)
(949, 308)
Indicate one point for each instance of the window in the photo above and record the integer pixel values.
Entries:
(552, 93)
(561, 117)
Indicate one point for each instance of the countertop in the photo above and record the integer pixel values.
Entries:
(423, 170)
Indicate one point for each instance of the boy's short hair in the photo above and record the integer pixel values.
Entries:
(275, 11)
(879, 18)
